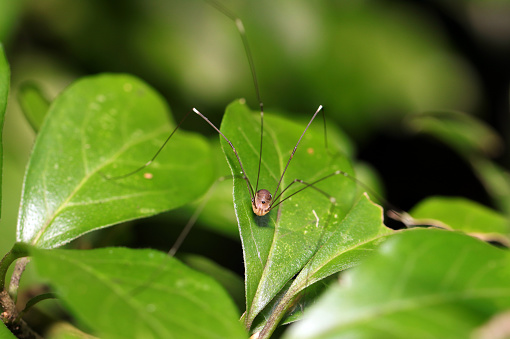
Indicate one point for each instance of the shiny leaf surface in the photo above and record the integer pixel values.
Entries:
(101, 127)
(124, 293)
(421, 283)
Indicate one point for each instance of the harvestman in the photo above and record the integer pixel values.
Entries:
(262, 200)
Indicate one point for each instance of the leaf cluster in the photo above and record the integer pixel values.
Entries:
(441, 279)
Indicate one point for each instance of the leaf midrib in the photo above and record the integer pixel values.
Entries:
(84, 180)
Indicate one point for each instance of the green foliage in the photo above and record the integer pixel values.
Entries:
(4, 91)
(420, 283)
(217, 213)
(463, 215)
(264, 240)
(103, 127)
(473, 140)
(279, 245)
(464, 133)
(9, 13)
(123, 293)
(5, 333)
(496, 180)
(34, 104)
(232, 283)
(367, 63)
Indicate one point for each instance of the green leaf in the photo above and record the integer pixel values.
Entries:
(124, 293)
(106, 126)
(64, 330)
(5, 333)
(475, 141)
(496, 181)
(9, 17)
(421, 283)
(33, 104)
(5, 74)
(463, 215)
(278, 245)
(368, 175)
(351, 240)
(464, 133)
(232, 283)
(218, 212)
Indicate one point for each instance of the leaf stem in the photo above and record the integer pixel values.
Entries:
(4, 266)
(276, 316)
(19, 268)
(19, 250)
(34, 301)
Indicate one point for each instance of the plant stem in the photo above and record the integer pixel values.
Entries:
(19, 250)
(276, 316)
(34, 301)
(19, 268)
(9, 312)
(4, 266)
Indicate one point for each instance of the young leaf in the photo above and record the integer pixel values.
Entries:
(33, 104)
(4, 91)
(277, 245)
(125, 293)
(351, 240)
(460, 131)
(463, 215)
(421, 283)
(496, 180)
(106, 126)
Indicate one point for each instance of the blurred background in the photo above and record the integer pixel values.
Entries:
(372, 64)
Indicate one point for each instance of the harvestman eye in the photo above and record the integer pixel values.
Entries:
(262, 202)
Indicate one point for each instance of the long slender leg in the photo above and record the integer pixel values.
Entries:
(295, 148)
(242, 32)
